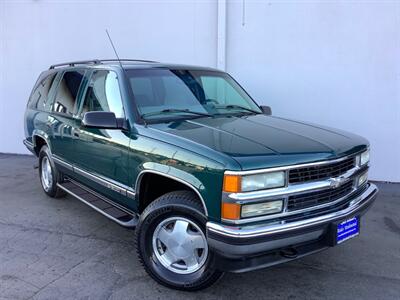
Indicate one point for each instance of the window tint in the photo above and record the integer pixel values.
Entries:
(103, 94)
(158, 90)
(68, 91)
(40, 95)
(155, 90)
(221, 91)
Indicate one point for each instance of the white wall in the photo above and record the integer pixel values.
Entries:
(36, 34)
(334, 63)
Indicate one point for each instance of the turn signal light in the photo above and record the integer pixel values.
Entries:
(232, 183)
(230, 211)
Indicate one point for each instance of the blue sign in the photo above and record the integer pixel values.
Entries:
(347, 229)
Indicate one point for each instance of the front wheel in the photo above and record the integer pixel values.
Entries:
(172, 245)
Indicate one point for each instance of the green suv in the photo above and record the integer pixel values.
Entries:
(211, 181)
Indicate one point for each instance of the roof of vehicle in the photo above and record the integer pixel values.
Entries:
(129, 64)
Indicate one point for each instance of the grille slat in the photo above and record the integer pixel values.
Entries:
(312, 173)
(310, 199)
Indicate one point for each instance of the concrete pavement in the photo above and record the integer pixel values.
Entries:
(62, 249)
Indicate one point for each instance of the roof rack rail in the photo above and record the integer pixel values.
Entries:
(127, 59)
(97, 61)
(73, 63)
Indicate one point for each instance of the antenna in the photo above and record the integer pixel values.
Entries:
(115, 51)
(119, 60)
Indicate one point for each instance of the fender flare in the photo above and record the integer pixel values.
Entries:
(175, 174)
(43, 135)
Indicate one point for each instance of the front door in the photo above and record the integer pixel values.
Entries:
(101, 155)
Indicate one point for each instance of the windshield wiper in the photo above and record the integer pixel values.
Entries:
(172, 110)
(233, 106)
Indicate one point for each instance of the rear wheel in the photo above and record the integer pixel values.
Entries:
(49, 176)
(172, 245)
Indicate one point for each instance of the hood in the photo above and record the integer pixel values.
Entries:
(260, 141)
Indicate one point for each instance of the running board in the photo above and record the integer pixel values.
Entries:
(103, 205)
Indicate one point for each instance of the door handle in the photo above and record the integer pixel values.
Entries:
(76, 134)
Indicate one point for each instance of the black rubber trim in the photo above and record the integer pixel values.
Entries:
(267, 259)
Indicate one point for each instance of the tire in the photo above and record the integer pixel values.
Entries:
(48, 174)
(161, 217)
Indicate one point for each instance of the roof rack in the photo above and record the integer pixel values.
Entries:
(127, 59)
(97, 62)
(73, 63)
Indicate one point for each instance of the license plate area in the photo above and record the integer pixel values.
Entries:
(347, 229)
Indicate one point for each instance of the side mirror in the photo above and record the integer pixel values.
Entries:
(266, 110)
(101, 120)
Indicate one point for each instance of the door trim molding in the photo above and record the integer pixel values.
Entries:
(99, 179)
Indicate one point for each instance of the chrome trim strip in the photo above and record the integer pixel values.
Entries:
(131, 194)
(284, 168)
(140, 175)
(292, 189)
(131, 223)
(104, 181)
(99, 180)
(62, 163)
(286, 213)
(265, 230)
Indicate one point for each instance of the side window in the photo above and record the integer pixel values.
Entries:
(67, 92)
(103, 94)
(40, 95)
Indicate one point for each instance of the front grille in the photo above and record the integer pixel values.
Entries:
(306, 174)
(311, 199)
(328, 209)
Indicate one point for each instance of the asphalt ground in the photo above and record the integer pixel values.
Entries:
(62, 249)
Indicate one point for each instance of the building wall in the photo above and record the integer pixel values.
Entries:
(331, 63)
(327, 62)
(36, 34)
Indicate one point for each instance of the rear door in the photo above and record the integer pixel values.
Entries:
(101, 155)
(62, 119)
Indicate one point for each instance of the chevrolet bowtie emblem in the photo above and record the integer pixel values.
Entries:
(337, 181)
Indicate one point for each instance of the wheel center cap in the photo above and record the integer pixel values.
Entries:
(180, 247)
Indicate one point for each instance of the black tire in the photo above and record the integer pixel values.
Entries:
(52, 190)
(181, 204)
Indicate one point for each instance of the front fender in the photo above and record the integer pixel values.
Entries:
(208, 192)
(173, 173)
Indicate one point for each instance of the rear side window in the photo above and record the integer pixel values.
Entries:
(41, 92)
(103, 94)
(67, 92)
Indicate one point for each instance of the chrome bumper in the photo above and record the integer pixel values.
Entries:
(265, 230)
(246, 248)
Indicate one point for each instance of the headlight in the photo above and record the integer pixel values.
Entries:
(263, 181)
(364, 158)
(260, 209)
(246, 183)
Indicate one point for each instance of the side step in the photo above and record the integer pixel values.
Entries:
(103, 205)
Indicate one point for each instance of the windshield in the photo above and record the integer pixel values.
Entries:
(166, 93)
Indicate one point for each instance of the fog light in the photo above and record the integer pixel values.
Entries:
(260, 209)
(362, 179)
